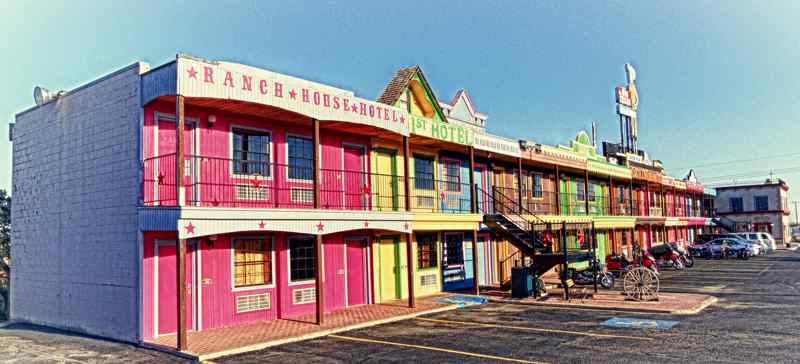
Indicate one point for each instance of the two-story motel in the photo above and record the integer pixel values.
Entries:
(224, 190)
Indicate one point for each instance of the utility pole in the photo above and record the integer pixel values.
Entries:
(796, 219)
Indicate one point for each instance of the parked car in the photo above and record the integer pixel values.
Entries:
(725, 248)
(756, 238)
(769, 239)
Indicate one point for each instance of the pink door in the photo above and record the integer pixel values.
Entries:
(334, 274)
(166, 161)
(356, 188)
(167, 286)
(356, 272)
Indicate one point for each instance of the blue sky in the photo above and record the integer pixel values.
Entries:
(718, 80)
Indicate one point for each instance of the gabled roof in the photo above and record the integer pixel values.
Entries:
(462, 93)
(400, 82)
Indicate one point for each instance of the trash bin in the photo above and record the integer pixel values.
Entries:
(521, 282)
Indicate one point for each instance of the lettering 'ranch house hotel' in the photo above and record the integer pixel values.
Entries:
(126, 228)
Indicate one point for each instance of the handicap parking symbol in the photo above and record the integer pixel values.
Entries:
(462, 301)
(635, 323)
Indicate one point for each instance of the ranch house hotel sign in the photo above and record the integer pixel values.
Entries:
(232, 81)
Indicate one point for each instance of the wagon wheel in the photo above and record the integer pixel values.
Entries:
(640, 284)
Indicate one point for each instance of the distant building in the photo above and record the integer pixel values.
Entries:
(756, 207)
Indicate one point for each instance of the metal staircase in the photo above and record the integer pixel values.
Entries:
(531, 235)
(725, 223)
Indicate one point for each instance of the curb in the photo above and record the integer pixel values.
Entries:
(309, 336)
(691, 311)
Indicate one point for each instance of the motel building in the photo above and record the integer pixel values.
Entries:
(155, 203)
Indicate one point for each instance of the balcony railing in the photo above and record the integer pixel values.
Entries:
(224, 182)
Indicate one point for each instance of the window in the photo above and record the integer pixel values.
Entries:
(452, 176)
(580, 188)
(736, 204)
(251, 152)
(301, 158)
(302, 258)
(426, 250)
(592, 195)
(761, 203)
(620, 194)
(453, 250)
(653, 197)
(252, 262)
(536, 189)
(423, 173)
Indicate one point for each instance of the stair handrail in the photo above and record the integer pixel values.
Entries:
(517, 209)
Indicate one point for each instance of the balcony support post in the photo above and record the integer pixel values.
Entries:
(407, 171)
(558, 191)
(473, 191)
(320, 299)
(586, 190)
(611, 196)
(180, 252)
(475, 280)
(519, 184)
(315, 156)
(647, 198)
(180, 162)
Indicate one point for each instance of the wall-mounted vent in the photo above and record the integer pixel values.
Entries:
(252, 193)
(252, 302)
(425, 201)
(303, 195)
(304, 295)
(427, 280)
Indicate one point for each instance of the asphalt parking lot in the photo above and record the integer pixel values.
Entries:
(754, 321)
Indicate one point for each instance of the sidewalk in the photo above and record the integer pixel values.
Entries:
(671, 303)
(214, 343)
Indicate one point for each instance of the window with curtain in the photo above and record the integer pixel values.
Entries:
(452, 176)
(536, 189)
(423, 173)
(736, 204)
(302, 258)
(592, 195)
(301, 158)
(580, 189)
(251, 152)
(426, 250)
(252, 262)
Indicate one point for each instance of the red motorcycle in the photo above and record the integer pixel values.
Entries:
(665, 255)
(618, 264)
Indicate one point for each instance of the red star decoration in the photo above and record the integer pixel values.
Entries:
(160, 178)
(293, 95)
(192, 73)
(402, 119)
(366, 224)
(261, 225)
(256, 183)
(354, 109)
(441, 195)
(320, 227)
(365, 190)
(405, 226)
(189, 228)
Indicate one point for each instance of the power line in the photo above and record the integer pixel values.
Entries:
(723, 179)
(738, 161)
(757, 173)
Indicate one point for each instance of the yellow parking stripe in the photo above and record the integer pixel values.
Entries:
(536, 329)
(432, 348)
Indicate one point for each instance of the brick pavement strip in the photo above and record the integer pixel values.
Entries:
(23, 343)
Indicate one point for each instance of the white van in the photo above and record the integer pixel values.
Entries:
(758, 239)
(769, 239)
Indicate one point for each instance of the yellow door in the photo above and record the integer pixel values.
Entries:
(392, 269)
(386, 182)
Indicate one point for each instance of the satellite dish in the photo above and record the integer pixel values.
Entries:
(41, 95)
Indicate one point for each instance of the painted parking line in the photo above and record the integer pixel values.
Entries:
(535, 329)
(433, 348)
(573, 308)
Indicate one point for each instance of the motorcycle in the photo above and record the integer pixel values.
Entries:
(665, 255)
(686, 258)
(586, 276)
(619, 264)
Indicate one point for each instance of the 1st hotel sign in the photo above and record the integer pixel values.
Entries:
(442, 131)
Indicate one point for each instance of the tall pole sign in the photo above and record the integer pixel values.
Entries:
(627, 105)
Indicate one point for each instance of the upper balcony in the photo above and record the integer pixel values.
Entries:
(224, 182)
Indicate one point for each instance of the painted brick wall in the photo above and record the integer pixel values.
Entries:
(75, 174)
